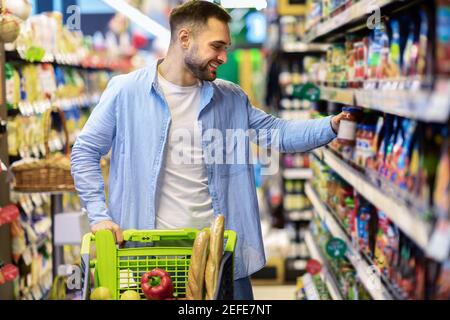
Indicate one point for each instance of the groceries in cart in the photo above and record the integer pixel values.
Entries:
(185, 264)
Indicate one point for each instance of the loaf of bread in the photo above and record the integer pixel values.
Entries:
(215, 256)
(196, 275)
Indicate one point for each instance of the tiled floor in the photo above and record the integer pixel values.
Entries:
(285, 292)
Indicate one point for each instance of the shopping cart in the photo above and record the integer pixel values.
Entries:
(121, 269)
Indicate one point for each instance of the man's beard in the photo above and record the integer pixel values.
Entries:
(198, 68)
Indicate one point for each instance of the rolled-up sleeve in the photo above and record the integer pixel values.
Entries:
(290, 135)
(95, 141)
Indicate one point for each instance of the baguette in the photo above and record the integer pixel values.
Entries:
(215, 256)
(196, 275)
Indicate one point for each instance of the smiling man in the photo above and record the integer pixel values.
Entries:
(141, 115)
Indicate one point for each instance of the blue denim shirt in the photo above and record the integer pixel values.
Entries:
(133, 119)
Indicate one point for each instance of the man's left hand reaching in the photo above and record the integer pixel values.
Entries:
(335, 121)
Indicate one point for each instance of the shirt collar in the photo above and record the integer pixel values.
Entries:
(207, 87)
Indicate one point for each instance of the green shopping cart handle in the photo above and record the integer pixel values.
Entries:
(158, 235)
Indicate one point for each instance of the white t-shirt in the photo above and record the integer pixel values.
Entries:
(185, 201)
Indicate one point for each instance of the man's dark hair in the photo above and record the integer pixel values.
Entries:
(196, 13)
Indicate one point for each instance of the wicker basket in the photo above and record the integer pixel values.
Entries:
(51, 174)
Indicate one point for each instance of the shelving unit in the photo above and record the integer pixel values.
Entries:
(403, 216)
(373, 283)
(420, 104)
(301, 47)
(350, 15)
(38, 290)
(300, 215)
(63, 61)
(310, 288)
(297, 173)
(325, 274)
(6, 290)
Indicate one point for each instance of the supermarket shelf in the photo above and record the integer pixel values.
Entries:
(311, 291)
(301, 47)
(344, 96)
(373, 283)
(300, 215)
(297, 173)
(406, 219)
(423, 105)
(60, 60)
(352, 14)
(39, 107)
(326, 276)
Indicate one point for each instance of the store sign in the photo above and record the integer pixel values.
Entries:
(313, 267)
(307, 91)
(336, 248)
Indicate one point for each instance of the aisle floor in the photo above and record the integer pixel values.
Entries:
(282, 292)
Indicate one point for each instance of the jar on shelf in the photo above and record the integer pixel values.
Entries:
(347, 126)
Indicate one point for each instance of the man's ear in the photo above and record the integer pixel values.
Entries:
(184, 37)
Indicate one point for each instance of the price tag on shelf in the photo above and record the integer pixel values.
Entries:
(336, 248)
(59, 143)
(24, 204)
(313, 267)
(42, 149)
(27, 258)
(35, 151)
(2, 166)
(36, 199)
(37, 293)
(21, 108)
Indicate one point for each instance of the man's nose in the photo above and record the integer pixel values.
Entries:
(223, 56)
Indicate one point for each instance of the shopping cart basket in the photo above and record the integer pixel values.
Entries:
(121, 269)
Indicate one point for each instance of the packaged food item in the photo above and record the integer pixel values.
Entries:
(361, 61)
(394, 62)
(375, 48)
(381, 69)
(12, 86)
(441, 194)
(364, 144)
(424, 60)
(350, 62)
(363, 221)
(347, 126)
(410, 51)
(443, 37)
(442, 287)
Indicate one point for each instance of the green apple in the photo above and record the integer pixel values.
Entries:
(130, 295)
(101, 293)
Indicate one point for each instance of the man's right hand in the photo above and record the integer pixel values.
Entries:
(109, 225)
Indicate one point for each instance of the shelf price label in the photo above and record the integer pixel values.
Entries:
(336, 248)
(307, 91)
(313, 267)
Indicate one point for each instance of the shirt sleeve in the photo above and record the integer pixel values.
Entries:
(95, 141)
(289, 135)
